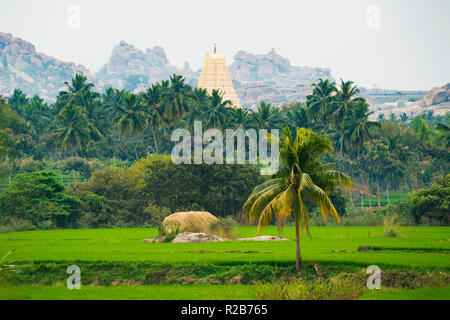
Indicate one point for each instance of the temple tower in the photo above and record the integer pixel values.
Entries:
(215, 75)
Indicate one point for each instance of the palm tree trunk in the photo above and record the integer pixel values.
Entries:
(351, 199)
(156, 142)
(387, 193)
(298, 264)
(135, 152)
(378, 193)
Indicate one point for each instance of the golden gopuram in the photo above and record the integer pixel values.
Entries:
(215, 75)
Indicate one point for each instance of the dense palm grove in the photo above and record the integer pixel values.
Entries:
(85, 131)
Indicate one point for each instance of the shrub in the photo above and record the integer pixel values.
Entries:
(432, 205)
(156, 214)
(341, 287)
(13, 224)
(390, 225)
(223, 227)
(354, 217)
(78, 164)
(29, 165)
(39, 197)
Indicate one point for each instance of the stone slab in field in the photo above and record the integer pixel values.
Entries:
(264, 238)
(195, 237)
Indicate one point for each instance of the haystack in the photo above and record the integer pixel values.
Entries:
(191, 221)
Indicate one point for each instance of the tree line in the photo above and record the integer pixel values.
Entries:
(388, 154)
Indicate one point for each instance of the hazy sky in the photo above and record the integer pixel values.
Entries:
(410, 50)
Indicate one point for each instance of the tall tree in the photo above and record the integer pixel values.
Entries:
(345, 100)
(215, 115)
(358, 128)
(72, 132)
(302, 177)
(177, 99)
(321, 102)
(153, 100)
(241, 118)
(267, 116)
(131, 117)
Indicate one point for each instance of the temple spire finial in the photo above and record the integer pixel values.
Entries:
(215, 51)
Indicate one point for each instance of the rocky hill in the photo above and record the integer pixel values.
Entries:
(271, 77)
(131, 68)
(273, 69)
(35, 73)
(257, 77)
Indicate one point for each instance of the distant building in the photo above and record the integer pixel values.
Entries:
(215, 75)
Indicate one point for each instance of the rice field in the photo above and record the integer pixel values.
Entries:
(333, 248)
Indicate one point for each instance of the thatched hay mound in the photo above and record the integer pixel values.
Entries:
(191, 221)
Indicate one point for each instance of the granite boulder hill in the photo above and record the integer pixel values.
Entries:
(33, 72)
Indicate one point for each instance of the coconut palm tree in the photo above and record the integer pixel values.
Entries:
(302, 177)
(17, 99)
(296, 116)
(72, 130)
(358, 128)
(345, 99)
(241, 118)
(79, 91)
(266, 116)
(215, 115)
(177, 99)
(197, 110)
(153, 100)
(37, 113)
(131, 117)
(112, 99)
(321, 103)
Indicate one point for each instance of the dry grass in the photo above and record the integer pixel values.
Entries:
(191, 221)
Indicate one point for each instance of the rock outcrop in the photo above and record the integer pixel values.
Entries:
(437, 95)
(437, 100)
(273, 69)
(33, 72)
(271, 77)
(195, 237)
(133, 69)
(264, 238)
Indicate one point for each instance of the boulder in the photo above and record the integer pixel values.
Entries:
(195, 237)
(264, 238)
(191, 221)
(436, 95)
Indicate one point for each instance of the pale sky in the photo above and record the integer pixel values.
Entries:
(409, 51)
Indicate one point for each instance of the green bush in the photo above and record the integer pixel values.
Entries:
(431, 206)
(13, 224)
(354, 217)
(38, 198)
(156, 215)
(78, 164)
(223, 227)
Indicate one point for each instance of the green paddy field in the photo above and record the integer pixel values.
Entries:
(115, 264)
